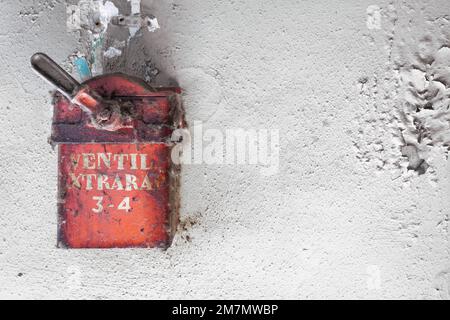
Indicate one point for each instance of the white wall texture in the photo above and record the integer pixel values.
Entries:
(342, 218)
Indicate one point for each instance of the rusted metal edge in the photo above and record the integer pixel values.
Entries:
(174, 173)
(80, 133)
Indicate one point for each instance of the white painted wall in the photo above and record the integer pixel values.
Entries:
(338, 221)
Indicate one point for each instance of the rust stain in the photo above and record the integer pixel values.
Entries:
(118, 189)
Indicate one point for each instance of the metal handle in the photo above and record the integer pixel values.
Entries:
(54, 74)
(104, 115)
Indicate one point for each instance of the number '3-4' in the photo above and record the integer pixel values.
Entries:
(124, 205)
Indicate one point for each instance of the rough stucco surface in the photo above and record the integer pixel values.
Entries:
(333, 223)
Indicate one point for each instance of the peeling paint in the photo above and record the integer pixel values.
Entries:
(136, 11)
(152, 24)
(425, 97)
(135, 6)
(91, 15)
(106, 11)
(414, 133)
(112, 53)
(83, 68)
(96, 55)
(373, 17)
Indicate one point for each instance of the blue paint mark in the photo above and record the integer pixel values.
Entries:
(83, 68)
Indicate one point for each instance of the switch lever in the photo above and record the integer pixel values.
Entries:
(54, 74)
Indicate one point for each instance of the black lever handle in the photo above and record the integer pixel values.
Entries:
(104, 115)
(54, 74)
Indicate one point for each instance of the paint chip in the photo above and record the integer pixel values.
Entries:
(112, 53)
(373, 17)
(152, 24)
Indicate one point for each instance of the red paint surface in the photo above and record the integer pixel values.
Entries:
(88, 223)
(108, 216)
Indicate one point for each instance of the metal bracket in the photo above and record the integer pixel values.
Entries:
(136, 21)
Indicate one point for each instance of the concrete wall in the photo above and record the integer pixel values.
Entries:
(342, 218)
